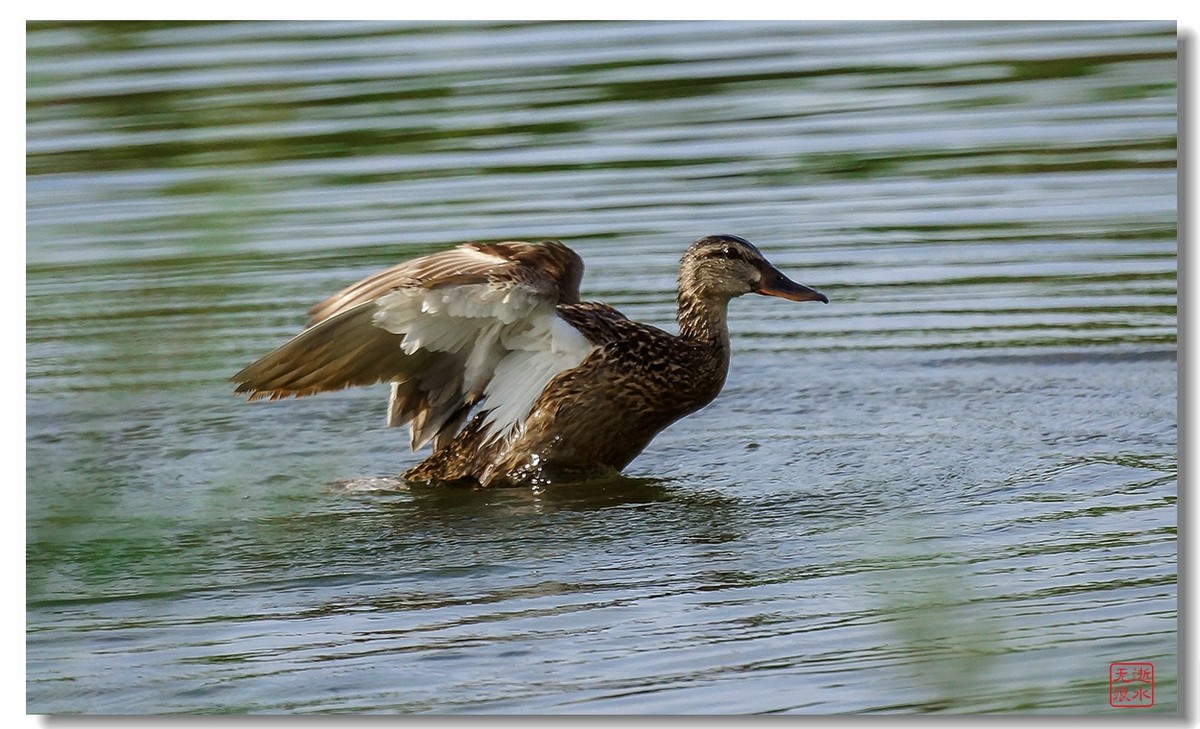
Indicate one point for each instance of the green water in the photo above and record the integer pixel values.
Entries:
(951, 489)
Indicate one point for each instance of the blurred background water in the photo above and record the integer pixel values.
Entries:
(951, 489)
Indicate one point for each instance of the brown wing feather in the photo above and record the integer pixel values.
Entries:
(549, 266)
(600, 323)
(344, 350)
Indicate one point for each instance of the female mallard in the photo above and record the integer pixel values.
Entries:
(560, 389)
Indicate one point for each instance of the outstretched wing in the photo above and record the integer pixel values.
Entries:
(475, 325)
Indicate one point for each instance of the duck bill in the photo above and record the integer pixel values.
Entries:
(774, 283)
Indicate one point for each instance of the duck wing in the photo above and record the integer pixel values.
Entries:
(474, 325)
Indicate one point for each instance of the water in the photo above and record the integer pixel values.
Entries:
(951, 489)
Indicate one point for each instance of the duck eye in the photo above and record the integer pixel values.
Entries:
(729, 253)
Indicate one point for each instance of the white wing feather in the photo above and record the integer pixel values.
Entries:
(511, 341)
(535, 355)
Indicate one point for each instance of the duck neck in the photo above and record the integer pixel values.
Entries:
(703, 318)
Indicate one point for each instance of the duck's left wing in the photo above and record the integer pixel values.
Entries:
(476, 325)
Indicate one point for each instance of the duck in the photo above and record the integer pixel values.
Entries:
(494, 360)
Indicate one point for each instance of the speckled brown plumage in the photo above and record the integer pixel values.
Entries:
(595, 413)
(598, 416)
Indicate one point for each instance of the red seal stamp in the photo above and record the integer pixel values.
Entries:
(1131, 685)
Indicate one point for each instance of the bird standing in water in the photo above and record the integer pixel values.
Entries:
(492, 357)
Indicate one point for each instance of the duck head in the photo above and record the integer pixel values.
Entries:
(725, 266)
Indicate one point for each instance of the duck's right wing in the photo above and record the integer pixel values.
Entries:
(476, 325)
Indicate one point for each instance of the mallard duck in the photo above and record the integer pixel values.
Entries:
(493, 358)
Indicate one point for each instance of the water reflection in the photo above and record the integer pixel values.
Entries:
(597, 493)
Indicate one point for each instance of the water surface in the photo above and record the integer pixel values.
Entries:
(951, 489)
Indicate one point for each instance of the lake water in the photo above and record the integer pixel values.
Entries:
(951, 489)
